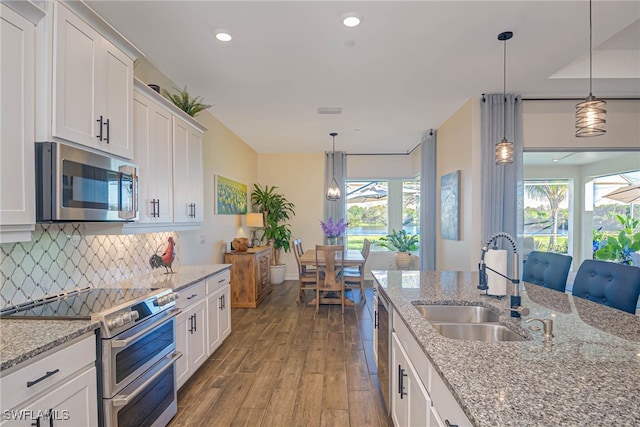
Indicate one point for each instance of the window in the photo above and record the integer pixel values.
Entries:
(366, 212)
(546, 214)
(374, 208)
(606, 207)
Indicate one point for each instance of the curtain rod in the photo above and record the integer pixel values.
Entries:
(384, 154)
(606, 98)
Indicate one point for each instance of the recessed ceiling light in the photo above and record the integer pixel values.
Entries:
(351, 19)
(556, 160)
(223, 37)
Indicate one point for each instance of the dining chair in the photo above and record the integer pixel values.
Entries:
(547, 269)
(614, 285)
(354, 277)
(331, 278)
(306, 278)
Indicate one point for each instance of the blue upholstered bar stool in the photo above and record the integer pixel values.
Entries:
(547, 269)
(608, 283)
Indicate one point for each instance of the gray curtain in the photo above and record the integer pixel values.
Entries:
(501, 185)
(428, 209)
(335, 209)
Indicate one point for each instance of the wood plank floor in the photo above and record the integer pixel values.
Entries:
(285, 365)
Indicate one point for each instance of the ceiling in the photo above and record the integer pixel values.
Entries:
(568, 158)
(405, 69)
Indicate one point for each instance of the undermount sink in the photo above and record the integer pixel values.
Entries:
(488, 332)
(457, 313)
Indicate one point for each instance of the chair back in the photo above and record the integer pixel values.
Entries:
(366, 247)
(332, 258)
(547, 269)
(296, 246)
(608, 283)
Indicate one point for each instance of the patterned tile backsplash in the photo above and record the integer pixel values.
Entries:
(59, 258)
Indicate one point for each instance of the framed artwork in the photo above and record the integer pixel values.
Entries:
(230, 196)
(450, 206)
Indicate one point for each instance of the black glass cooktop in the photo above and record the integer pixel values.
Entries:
(79, 305)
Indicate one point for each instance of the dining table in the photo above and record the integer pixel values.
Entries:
(352, 258)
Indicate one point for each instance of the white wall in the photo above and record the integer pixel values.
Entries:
(551, 125)
(383, 167)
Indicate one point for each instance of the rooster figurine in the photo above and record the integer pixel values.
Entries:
(166, 259)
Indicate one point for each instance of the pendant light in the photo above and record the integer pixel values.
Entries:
(591, 115)
(504, 148)
(333, 192)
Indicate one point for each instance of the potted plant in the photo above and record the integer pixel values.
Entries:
(402, 243)
(277, 232)
(182, 100)
(621, 248)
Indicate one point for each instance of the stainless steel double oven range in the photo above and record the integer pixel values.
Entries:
(136, 349)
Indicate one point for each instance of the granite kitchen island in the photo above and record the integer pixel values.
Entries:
(588, 374)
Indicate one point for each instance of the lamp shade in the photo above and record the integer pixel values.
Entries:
(254, 220)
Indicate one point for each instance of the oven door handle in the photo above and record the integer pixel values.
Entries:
(121, 400)
(125, 342)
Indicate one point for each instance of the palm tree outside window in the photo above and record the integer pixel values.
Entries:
(546, 214)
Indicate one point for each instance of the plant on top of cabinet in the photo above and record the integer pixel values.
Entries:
(277, 231)
(183, 100)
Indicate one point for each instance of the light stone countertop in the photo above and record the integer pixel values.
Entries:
(22, 339)
(588, 375)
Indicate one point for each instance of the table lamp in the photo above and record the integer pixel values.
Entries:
(254, 221)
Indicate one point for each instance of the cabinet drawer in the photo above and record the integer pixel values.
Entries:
(54, 367)
(191, 295)
(446, 405)
(218, 281)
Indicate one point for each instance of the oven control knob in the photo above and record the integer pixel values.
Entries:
(160, 301)
(112, 324)
(135, 315)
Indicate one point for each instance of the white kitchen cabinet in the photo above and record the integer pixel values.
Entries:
(61, 386)
(376, 323)
(17, 121)
(411, 404)
(218, 309)
(92, 87)
(443, 407)
(187, 172)
(153, 155)
(191, 330)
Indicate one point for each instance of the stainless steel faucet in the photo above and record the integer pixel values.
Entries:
(516, 309)
(547, 325)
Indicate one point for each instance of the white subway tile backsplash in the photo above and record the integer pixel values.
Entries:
(60, 258)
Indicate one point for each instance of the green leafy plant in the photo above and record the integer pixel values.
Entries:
(183, 100)
(399, 241)
(620, 247)
(278, 210)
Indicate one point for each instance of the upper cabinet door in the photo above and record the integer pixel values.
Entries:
(187, 172)
(74, 75)
(93, 87)
(17, 125)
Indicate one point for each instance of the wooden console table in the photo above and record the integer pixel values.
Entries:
(250, 276)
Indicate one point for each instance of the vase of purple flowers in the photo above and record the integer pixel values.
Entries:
(332, 230)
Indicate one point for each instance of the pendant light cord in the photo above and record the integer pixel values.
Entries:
(504, 91)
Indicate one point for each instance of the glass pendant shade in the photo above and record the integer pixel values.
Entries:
(333, 192)
(591, 117)
(504, 152)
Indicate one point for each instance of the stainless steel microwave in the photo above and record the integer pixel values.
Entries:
(73, 184)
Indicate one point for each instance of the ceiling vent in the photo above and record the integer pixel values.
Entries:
(329, 110)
